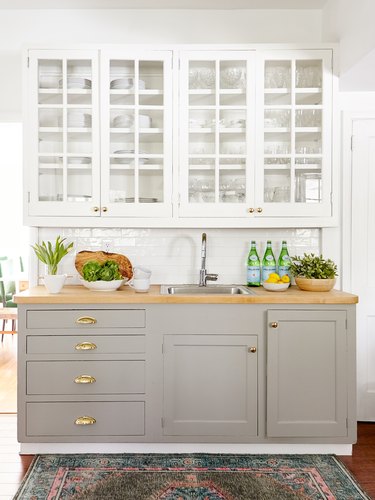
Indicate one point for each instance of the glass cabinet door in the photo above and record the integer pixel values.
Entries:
(64, 129)
(136, 133)
(217, 133)
(294, 133)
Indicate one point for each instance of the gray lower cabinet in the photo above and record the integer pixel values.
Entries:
(210, 373)
(307, 373)
(210, 385)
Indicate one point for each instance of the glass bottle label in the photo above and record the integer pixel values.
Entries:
(253, 274)
(283, 270)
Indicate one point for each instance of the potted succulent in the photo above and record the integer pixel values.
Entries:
(313, 272)
(51, 255)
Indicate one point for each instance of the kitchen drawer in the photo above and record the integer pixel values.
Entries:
(87, 319)
(113, 418)
(107, 377)
(85, 344)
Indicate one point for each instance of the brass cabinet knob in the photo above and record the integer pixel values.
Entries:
(85, 346)
(85, 421)
(250, 210)
(95, 209)
(252, 349)
(104, 209)
(274, 324)
(86, 320)
(259, 210)
(85, 379)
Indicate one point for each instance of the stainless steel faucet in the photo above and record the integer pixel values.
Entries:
(203, 275)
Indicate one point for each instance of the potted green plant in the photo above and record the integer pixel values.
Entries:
(51, 256)
(313, 272)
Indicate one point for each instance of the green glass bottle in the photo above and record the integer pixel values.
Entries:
(253, 266)
(268, 262)
(284, 261)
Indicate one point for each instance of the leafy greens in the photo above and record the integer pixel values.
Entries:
(94, 271)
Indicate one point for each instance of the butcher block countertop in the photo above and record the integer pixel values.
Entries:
(126, 295)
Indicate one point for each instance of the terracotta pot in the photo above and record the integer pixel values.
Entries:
(315, 285)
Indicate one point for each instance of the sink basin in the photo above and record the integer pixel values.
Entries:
(204, 290)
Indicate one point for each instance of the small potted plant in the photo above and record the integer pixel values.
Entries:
(51, 255)
(313, 273)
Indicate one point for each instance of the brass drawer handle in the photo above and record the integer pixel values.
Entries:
(259, 210)
(86, 320)
(85, 379)
(252, 349)
(85, 346)
(250, 210)
(85, 421)
(274, 324)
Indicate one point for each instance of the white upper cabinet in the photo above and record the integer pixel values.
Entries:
(136, 133)
(63, 161)
(217, 133)
(294, 127)
(179, 137)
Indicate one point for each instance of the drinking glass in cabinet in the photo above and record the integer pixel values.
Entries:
(277, 118)
(276, 148)
(50, 185)
(231, 190)
(308, 118)
(49, 73)
(308, 186)
(308, 74)
(277, 74)
(308, 147)
(281, 194)
(232, 75)
(202, 75)
(201, 188)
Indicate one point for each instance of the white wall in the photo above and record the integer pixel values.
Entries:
(20, 28)
(352, 23)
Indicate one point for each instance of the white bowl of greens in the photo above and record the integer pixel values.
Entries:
(102, 277)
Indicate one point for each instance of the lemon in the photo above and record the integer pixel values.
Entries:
(272, 279)
(274, 276)
(285, 279)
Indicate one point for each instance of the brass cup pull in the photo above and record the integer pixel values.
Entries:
(84, 379)
(85, 421)
(250, 210)
(105, 209)
(274, 324)
(259, 210)
(252, 349)
(85, 346)
(95, 209)
(86, 320)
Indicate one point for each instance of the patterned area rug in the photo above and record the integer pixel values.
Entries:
(188, 477)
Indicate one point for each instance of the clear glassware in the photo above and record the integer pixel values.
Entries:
(207, 78)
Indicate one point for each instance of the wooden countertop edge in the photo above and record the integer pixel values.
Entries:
(77, 294)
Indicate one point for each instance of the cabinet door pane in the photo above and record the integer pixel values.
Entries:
(64, 112)
(294, 164)
(137, 143)
(217, 129)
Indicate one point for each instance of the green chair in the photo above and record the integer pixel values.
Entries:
(7, 290)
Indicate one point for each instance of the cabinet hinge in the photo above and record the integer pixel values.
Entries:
(346, 324)
(28, 197)
(162, 348)
(331, 196)
(352, 142)
(347, 423)
(162, 422)
(28, 62)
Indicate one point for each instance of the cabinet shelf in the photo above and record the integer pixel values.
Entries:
(118, 130)
(68, 91)
(132, 91)
(140, 167)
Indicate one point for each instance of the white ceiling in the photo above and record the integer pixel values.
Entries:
(162, 4)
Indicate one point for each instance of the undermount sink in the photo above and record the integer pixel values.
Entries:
(204, 290)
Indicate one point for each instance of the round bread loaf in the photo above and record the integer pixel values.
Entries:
(125, 266)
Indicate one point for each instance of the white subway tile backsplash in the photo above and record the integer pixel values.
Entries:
(174, 255)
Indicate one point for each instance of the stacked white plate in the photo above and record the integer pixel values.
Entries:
(76, 82)
(76, 119)
(124, 152)
(79, 160)
(123, 121)
(126, 83)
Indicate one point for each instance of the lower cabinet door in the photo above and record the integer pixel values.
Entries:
(210, 385)
(86, 418)
(306, 373)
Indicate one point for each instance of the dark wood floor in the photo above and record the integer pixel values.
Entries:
(13, 467)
